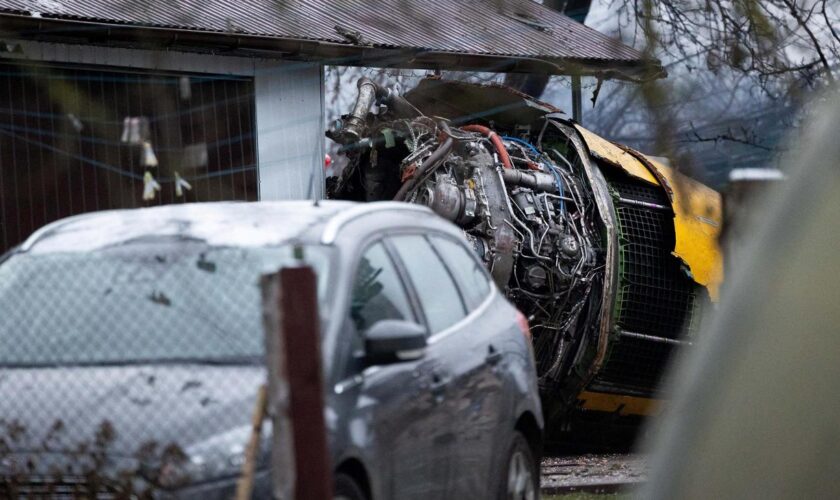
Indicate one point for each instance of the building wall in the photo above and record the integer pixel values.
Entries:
(258, 122)
(290, 128)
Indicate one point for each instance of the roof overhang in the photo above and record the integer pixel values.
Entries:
(76, 31)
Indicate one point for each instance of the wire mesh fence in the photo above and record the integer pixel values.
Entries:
(131, 372)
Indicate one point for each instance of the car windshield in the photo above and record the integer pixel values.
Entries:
(143, 302)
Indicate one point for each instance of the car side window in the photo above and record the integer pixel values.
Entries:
(472, 279)
(436, 290)
(378, 291)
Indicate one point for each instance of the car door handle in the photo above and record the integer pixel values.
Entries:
(493, 356)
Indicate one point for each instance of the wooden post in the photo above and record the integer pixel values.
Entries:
(245, 484)
(300, 458)
(301, 333)
(282, 454)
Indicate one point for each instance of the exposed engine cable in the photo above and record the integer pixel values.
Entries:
(551, 168)
(495, 139)
(433, 161)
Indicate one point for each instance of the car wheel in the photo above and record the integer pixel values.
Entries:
(520, 478)
(346, 488)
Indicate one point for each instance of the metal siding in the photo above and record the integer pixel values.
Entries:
(166, 60)
(290, 143)
(488, 27)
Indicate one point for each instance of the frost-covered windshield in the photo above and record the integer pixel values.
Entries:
(140, 302)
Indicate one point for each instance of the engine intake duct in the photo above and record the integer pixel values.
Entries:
(537, 181)
(656, 300)
(353, 129)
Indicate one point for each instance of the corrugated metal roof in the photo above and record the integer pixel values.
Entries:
(508, 28)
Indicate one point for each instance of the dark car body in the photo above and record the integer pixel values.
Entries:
(437, 424)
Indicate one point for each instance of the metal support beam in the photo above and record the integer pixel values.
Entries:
(653, 338)
(577, 100)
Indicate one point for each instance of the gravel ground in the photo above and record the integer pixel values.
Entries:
(592, 473)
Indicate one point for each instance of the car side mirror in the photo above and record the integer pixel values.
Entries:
(390, 341)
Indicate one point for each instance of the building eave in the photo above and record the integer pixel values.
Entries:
(84, 32)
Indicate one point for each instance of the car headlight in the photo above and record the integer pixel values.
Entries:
(218, 457)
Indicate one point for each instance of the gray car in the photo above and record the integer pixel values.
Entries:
(133, 348)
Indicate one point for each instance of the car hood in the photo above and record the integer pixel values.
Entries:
(140, 412)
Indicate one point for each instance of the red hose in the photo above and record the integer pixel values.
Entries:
(495, 139)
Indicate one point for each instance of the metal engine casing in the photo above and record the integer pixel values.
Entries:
(608, 254)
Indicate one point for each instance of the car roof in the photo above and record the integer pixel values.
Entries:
(241, 224)
(251, 224)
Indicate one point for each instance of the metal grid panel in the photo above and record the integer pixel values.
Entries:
(519, 28)
(656, 297)
(61, 148)
(641, 192)
(636, 363)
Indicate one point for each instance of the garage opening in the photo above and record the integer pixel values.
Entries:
(77, 139)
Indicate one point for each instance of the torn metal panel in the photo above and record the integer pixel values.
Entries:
(697, 208)
(615, 155)
(463, 102)
(610, 285)
(698, 216)
(697, 222)
(644, 160)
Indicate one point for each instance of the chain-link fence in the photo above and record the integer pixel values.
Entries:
(132, 372)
